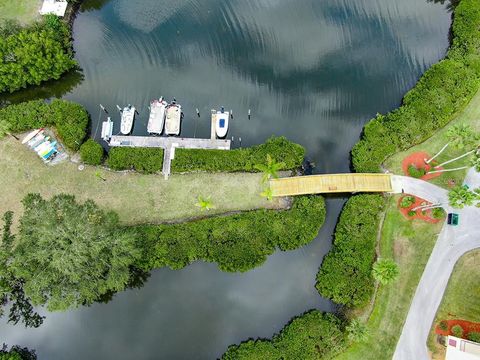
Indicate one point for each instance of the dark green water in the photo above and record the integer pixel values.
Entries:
(313, 70)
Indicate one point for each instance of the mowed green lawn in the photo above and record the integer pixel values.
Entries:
(469, 115)
(135, 197)
(462, 297)
(25, 11)
(409, 243)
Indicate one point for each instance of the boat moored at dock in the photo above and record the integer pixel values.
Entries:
(128, 116)
(221, 123)
(173, 119)
(156, 119)
(107, 129)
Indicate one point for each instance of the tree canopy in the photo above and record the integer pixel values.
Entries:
(69, 254)
(35, 54)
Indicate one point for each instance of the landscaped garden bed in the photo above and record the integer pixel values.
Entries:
(407, 204)
(415, 166)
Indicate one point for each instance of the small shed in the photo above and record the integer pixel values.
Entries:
(54, 7)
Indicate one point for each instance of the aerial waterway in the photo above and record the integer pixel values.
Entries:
(314, 71)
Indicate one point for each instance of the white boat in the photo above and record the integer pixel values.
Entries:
(128, 115)
(221, 123)
(31, 136)
(107, 129)
(173, 118)
(157, 116)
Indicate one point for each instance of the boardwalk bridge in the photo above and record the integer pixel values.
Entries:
(332, 183)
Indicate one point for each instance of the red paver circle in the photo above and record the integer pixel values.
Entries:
(418, 160)
(427, 216)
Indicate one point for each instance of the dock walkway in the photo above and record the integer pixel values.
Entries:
(168, 144)
(332, 183)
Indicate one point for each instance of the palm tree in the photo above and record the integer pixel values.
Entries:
(385, 271)
(204, 203)
(267, 193)
(475, 161)
(357, 331)
(461, 196)
(459, 136)
(99, 175)
(270, 169)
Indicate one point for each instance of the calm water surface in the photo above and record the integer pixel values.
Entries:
(312, 70)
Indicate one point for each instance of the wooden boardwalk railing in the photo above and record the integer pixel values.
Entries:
(331, 183)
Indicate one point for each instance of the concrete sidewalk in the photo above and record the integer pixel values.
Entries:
(452, 243)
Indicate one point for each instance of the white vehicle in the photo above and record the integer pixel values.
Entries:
(128, 115)
(157, 116)
(107, 129)
(221, 123)
(173, 118)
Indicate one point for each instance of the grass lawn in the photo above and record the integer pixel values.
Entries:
(25, 11)
(410, 244)
(136, 198)
(461, 299)
(469, 115)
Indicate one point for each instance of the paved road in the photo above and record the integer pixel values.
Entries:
(452, 243)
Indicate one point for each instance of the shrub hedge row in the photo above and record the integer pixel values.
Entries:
(144, 160)
(70, 119)
(346, 272)
(244, 159)
(443, 90)
(29, 56)
(150, 160)
(237, 242)
(310, 336)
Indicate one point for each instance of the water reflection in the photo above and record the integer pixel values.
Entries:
(314, 71)
(47, 90)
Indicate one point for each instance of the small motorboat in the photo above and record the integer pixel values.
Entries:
(31, 135)
(173, 118)
(156, 119)
(221, 123)
(128, 115)
(107, 129)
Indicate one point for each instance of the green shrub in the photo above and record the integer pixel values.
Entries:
(442, 91)
(236, 242)
(144, 160)
(34, 54)
(345, 275)
(438, 213)
(474, 336)
(70, 119)
(443, 325)
(457, 331)
(412, 213)
(407, 201)
(415, 172)
(312, 335)
(91, 152)
(243, 159)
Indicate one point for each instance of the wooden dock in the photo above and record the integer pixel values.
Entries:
(332, 183)
(169, 144)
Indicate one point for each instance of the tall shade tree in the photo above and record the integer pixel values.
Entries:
(270, 169)
(475, 161)
(69, 254)
(385, 271)
(460, 136)
(460, 197)
(11, 288)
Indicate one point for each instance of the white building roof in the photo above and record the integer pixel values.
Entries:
(461, 349)
(54, 7)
